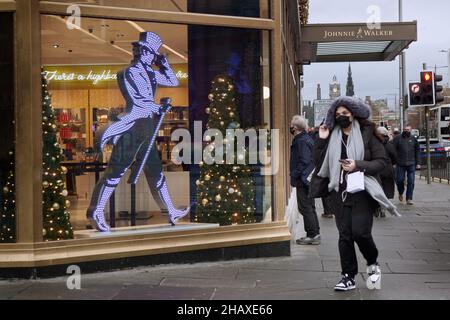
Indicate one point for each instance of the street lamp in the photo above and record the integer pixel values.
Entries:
(448, 64)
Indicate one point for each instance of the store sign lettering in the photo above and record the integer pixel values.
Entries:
(106, 75)
(94, 77)
(181, 75)
(357, 34)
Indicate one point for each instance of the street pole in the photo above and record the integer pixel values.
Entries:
(427, 137)
(448, 64)
(399, 104)
(402, 74)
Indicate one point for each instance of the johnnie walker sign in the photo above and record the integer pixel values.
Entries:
(357, 34)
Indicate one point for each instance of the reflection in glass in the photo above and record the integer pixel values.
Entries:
(82, 72)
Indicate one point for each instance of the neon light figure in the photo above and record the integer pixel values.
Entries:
(134, 132)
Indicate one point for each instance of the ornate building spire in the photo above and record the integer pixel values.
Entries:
(350, 88)
(319, 92)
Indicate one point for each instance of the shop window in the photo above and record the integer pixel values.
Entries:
(97, 76)
(248, 8)
(7, 172)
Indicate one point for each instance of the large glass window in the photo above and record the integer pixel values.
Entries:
(102, 86)
(247, 8)
(7, 176)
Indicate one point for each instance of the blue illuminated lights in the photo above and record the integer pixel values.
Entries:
(138, 85)
(133, 134)
(134, 177)
(98, 216)
(163, 192)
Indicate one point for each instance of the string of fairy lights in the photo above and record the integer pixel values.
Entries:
(56, 217)
(225, 192)
(7, 220)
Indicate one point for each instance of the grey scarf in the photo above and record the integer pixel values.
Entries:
(331, 167)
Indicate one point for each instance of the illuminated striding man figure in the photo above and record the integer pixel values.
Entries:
(135, 129)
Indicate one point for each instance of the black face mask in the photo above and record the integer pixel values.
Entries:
(292, 130)
(343, 121)
(406, 134)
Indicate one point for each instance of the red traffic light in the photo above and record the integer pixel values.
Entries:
(426, 76)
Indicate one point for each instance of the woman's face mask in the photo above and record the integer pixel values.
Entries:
(343, 117)
(343, 121)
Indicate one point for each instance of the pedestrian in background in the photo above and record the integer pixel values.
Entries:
(301, 166)
(408, 157)
(327, 211)
(347, 143)
(387, 175)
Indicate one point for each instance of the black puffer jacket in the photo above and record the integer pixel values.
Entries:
(387, 175)
(374, 162)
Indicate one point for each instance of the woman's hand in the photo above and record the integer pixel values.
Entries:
(349, 165)
(324, 132)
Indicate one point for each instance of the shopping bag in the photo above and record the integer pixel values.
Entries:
(291, 215)
(355, 182)
(318, 186)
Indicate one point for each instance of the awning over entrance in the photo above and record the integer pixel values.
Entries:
(355, 41)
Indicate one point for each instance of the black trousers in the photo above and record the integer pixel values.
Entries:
(355, 226)
(326, 205)
(307, 208)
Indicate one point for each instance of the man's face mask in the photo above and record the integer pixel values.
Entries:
(292, 130)
(343, 121)
(406, 134)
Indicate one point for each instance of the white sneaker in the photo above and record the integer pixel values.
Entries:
(347, 283)
(373, 277)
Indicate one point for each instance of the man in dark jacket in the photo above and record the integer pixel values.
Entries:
(301, 167)
(408, 155)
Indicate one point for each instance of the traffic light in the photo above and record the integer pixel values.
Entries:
(427, 87)
(427, 91)
(437, 89)
(414, 94)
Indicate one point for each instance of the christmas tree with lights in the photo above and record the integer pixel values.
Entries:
(56, 218)
(8, 206)
(225, 191)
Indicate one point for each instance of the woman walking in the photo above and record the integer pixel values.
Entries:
(387, 175)
(347, 143)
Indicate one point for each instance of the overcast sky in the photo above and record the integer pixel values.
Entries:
(380, 79)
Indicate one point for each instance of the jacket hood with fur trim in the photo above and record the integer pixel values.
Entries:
(356, 106)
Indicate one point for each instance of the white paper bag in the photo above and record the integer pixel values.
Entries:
(355, 182)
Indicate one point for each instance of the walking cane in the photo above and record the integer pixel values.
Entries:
(136, 173)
